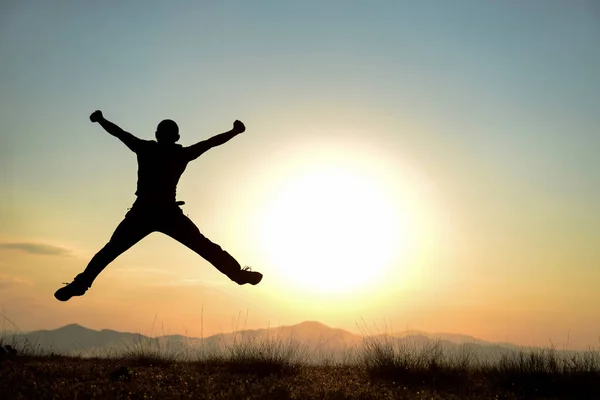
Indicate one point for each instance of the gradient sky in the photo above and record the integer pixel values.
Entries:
(484, 113)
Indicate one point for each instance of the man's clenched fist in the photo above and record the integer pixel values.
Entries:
(238, 126)
(96, 116)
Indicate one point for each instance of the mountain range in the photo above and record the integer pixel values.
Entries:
(319, 341)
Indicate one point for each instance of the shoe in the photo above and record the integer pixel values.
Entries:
(246, 275)
(76, 288)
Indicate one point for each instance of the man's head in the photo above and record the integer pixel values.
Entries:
(167, 131)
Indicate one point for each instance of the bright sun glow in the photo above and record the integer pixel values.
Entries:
(332, 229)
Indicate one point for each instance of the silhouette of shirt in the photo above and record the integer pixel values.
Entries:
(160, 166)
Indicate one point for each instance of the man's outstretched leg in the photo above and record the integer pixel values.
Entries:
(131, 230)
(182, 229)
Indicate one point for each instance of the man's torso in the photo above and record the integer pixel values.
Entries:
(159, 168)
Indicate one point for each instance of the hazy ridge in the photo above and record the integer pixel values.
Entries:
(320, 341)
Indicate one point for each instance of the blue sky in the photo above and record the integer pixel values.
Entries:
(513, 81)
(494, 104)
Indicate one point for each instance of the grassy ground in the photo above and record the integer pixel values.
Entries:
(276, 370)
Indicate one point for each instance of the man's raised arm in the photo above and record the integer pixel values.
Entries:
(195, 150)
(130, 141)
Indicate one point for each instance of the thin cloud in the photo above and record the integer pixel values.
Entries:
(7, 281)
(36, 248)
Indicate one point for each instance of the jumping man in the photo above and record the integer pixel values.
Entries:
(160, 165)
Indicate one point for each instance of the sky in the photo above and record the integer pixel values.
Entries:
(426, 165)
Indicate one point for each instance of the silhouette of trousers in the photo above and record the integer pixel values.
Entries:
(169, 219)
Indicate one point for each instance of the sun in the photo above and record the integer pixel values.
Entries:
(332, 230)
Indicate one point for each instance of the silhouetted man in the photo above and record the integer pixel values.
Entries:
(160, 165)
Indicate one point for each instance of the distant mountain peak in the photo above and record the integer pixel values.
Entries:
(311, 324)
(73, 327)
